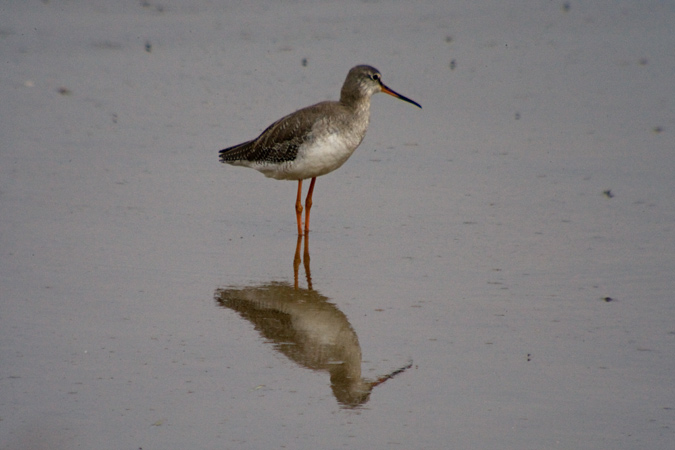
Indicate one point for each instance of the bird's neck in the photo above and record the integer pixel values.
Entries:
(359, 106)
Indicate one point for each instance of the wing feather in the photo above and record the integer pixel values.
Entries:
(280, 141)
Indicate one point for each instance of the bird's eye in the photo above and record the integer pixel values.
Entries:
(375, 77)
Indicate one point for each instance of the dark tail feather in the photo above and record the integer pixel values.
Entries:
(235, 153)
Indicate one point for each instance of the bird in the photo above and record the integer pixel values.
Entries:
(314, 140)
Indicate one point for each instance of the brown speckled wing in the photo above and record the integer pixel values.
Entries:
(281, 140)
(278, 143)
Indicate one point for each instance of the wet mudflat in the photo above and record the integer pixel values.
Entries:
(514, 239)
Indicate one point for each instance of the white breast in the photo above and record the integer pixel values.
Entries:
(316, 157)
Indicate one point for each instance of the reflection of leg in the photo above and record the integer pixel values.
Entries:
(308, 203)
(305, 260)
(298, 208)
(296, 261)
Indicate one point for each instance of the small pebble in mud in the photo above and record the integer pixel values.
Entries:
(148, 46)
(147, 4)
(608, 299)
(453, 64)
(304, 62)
(608, 193)
(657, 130)
(566, 6)
(529, 356)
(64, 91)
(517, 116)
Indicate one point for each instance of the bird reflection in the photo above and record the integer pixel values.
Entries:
(307, 328)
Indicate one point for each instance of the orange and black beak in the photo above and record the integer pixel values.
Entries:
(386, 90)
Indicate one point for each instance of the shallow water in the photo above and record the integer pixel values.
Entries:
(514, 239)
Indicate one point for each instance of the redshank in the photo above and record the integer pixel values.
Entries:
(315, 140)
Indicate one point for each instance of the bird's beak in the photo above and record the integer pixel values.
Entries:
(386, 90)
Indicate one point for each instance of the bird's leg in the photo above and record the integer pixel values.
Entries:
(308, 204)
(305, 261)
(298, 208)
(296, 262)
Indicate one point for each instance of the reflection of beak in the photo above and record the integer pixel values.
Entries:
(386, 90)
(384, 378)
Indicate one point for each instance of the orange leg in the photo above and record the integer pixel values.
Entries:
(296, 261)
(305, 261)
(308, 204)
(298, 208)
